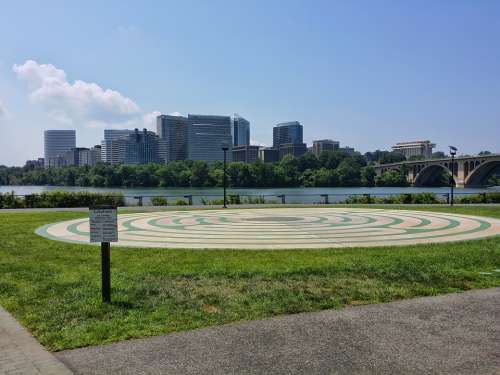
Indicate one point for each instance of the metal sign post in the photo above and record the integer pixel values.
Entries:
(103, 223)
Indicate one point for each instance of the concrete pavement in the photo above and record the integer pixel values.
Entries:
(450, 334)
(21, 354)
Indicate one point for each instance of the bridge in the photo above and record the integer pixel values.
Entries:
(468, 171)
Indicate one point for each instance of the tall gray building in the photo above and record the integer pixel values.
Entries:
(138, 147)
(324, 145)
(206, 135)
(288, 139)
(241, 131)
(142, 147)
(287, 132)
(111, 135)
(57, 142)
(195, 137)
(173, 130)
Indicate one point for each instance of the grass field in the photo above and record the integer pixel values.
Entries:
(53, 288)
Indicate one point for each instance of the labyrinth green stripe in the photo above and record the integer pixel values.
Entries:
(283, 228)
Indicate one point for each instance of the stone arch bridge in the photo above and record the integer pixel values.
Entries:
(468, 171)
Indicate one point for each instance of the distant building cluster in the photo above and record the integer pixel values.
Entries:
(415, 148)
(191, 137)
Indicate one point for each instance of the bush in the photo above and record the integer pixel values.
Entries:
(479, 198)
(61, 199)
(253, 200)
(212, 202)
(181, 202)
(406, 198)
(159, 201)
(9, 200)
(234, 199)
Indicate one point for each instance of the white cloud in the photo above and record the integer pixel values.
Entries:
(80, 102)
(175, 114)
(149, 120)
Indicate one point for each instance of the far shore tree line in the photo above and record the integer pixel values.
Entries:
(330, 169)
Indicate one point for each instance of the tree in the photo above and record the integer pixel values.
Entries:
(349, 173)
(200, 174)
(308, 161)
(392, 178)
(289, 167)
(368, 175)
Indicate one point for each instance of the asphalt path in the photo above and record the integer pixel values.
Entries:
(449, 334)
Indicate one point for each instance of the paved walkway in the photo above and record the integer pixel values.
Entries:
(451, 334)
(21, 354)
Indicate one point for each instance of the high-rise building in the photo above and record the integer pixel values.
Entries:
(268, 154)
(206, 136)
(139, 147)
(416, 148)
(347, 150)
(111, 135)
(195, 137)
(57, 142)
(246, 153)
(294, 149)
(287, 132)
(35, 164)
(76, 156)
(324, 145)
(288, 139)
(241, 131)
(173, 130)
(89, 156)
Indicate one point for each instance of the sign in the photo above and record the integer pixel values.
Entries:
(103, 225)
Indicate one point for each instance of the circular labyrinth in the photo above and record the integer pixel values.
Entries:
(283, 228)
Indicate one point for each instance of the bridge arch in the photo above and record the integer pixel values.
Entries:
(430, 174)
(478, 175)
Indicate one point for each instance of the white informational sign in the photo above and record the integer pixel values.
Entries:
(103, 225)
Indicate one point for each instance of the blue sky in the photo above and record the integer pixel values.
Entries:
(366, 73)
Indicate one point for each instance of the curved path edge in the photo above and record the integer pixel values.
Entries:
(449, 334)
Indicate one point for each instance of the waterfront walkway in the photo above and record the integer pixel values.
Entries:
(450, 334)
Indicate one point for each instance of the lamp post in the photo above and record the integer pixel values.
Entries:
(224, 148)
(453, 152)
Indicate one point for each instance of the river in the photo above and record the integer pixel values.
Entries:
(293, 195)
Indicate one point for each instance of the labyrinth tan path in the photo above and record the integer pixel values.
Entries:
(283, 228)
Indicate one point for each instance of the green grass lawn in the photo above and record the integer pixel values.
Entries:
(53, 288)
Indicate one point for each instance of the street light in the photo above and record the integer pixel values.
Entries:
(453, 152)
(224, 148)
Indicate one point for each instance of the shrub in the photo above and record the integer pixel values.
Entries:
(9, 200)
(181, 202)
(234, 199)
(480, 198)
(159, 201)
(61, 199)
(253, 200)
(406, 198)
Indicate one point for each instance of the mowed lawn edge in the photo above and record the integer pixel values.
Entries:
(53, 288)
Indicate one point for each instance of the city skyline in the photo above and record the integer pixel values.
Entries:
(368, 75)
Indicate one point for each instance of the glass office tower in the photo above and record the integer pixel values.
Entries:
(57, 142)
(241, 131)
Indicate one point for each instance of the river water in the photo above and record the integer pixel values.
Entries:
(293, 195)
